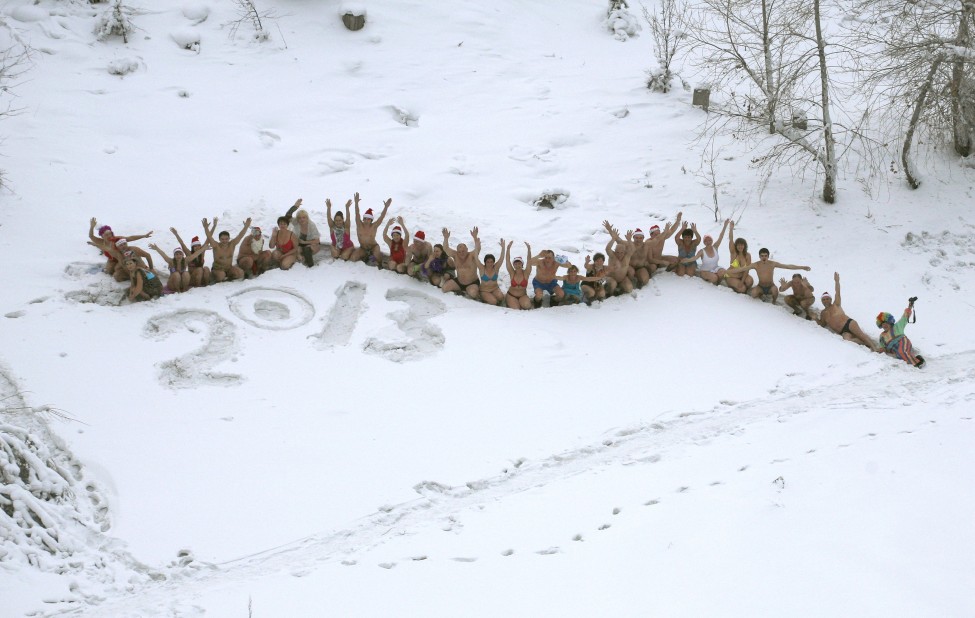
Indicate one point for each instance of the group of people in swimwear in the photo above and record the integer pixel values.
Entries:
(633, 259)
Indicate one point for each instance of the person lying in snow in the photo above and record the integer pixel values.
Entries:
(894, 342)
(835, 319)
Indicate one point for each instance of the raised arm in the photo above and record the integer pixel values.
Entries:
(382, 215)
(724, 228)
(328, 214)
(358, 217)
(477, 245)
(790, 266)
(528, 261)
(91, 233)
(348, 220)
(784, 285)
(836, 299)
(697, 235)
(386, 237)
(670, 230)
(168, 260)
(192, 256)
(182, 245)
(243, 231)
(406, 232)
(292, 210)
(731, 237)
(208, 230)
(507, 259)
(446, 244)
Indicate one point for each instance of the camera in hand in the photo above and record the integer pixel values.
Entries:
(912, 299)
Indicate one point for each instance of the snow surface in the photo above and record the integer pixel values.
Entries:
(342, 441)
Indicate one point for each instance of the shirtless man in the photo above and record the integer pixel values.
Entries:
(802, 297)
(252, 257)
(544, 280)
(620, 253)
(366, 228)
(655, 245)
(123, 251)
(765, 268)
(223, 252)
(199, 272)
(105, 241)
(466, 277)
(417, 254)
(835, 319)
(639, 274)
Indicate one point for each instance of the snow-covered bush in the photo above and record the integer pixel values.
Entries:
(116, 21)
(123, 66)
(620, 21)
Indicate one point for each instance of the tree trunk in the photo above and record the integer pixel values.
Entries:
(829, 160)
(912, 180)
(772, 96)
(963, 129)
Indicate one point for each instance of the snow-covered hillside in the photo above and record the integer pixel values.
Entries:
(342, 441)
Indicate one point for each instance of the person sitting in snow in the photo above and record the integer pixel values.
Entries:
(105, 241)
(465, 279)
(517, 296)
(740, 282)
(223, 268)
(894, 342)
(489, 270)
(199, 272)
(596, 267)
(710, 271)
(179, 267)
(417, 254)
(619, 251)
(835, 319)
(145, 284)
(438, 268)
(366, 228)
(546, 268)
(397, 241)
(284, 243)
(765, 269)
(801, 299)
(252, 257)
(305, 230)
(572, 286)
(341, 234)
(655, 245)
(687, 244)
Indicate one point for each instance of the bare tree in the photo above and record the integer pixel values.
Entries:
(667, 21)
(248, 13)
(768, 59)
(923, 77)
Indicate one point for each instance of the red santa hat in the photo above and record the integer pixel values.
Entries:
(654, 228)
(420, 235)
(638, 232)
(195, 241)
(368, 216)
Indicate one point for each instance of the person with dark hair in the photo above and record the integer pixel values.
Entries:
(765, 268)
(572, 286)
(438, 268)
(546, 267)
(655, 245)
(223, 251)
(893, 341)
(105, 242)
(179, 273)
(710, 271)
(619, 251)
(596, 267)
(340, 232)
(835, 319)
(489, 270)
(740, 258)
(686, 249)
(397, 243)
(466, 279)
(199, 272)
(517, 295)
(801, 299)
(145, 284)
(284, 242)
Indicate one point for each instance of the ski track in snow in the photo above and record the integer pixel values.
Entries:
(643, 444)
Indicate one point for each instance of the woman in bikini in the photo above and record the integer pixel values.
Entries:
(285, 245)
(740, 258)
(710, 271)
(517, 296)
(397, 242)
(491, 293)
(179, 267)
(338, 227)
(199, 271)
(145, 284)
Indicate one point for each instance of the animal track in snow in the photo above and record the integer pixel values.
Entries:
(271, 308)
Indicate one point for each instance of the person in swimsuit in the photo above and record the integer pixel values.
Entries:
(517, 295)
(686, 250)
(417, 254)
(338, 228)
(655, 245)
(305, 230)
(145, 284)
(397, 243)
(740, 258)
(105, 242)
(223, 252)
(284, 242)
(894, 342)
(596, 267)
(802, 298)
(710, 271)
(199, 272)
(489, 270)
(765, 268)
(835, 319)
(546, 267)
(252, 257)
(366, 229)
(437, 268)
(179, 272)
(466, 280)
(572, 286)
(619, 251)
